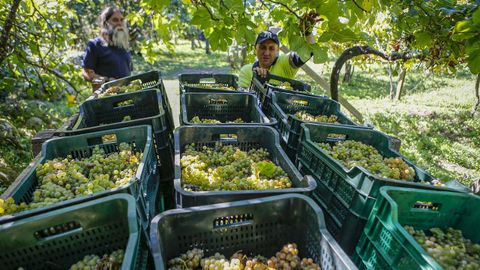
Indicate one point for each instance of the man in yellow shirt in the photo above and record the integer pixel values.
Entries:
(268, 60)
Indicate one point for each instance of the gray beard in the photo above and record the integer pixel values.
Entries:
(119, 37)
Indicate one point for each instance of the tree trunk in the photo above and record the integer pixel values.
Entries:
(347, 77)
(244, 55)
(477, 94)
(390, 78)
(7, 27)
(207, 46)
(401, 80)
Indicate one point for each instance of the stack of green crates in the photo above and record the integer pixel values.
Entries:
(259, 226)
(246, 138)
(223, 107)
(143, 187)
(143, 107)
(348, 195)
(60, 238)
(385, 244)
(150, 80)
(284, 106)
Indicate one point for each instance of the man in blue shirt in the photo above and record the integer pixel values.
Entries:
(107, 57)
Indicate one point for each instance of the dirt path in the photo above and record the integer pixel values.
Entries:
(171, 86)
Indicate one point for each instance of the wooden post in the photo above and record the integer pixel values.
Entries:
(325, 85)
(401, 80)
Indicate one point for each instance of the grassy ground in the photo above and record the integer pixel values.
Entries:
(432, 118)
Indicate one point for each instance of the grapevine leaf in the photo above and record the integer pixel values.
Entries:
(235, 5)
(266, 168)
(423, 39)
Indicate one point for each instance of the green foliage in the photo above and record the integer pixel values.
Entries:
(36, 63)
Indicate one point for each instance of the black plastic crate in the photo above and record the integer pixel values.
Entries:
(143, 107)
(150, 80)
(259, 226)
(284, 106)
(223, 107)
(60, 238)
(206, 79)
(246, 138)
(264, 87)
(143, 186)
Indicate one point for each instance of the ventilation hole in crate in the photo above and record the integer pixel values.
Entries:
(57, 229)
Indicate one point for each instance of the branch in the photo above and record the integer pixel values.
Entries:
(4, 38)
(356, 4)
(54, 72)
(49, 26)
(287, 7)
(356, 51)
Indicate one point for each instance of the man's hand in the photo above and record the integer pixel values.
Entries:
(262, 72)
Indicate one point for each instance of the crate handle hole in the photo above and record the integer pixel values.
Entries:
(59, 230)
(207, 80)
(225, 137)
(109, 138)
(431, 206)
(300, 102)
(333, 137)
(230, 222)
(217, 101)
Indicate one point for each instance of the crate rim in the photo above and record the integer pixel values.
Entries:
(156, 252)
(286, 116)
(310, 181)
(102, 87)
(271, 121)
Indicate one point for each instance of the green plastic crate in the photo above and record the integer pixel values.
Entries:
(385, 242)
(60, 238)
(223, 107)
(143, 186)
(206, 79)
(284, 106)
(264, 88)
(246, 138)
(259, 226)
(145, 108)
(348, 195)
(151, 79)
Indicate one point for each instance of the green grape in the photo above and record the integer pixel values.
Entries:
(354, 153)
(66, 178)
(189, 260)
(133, 86)
(304, 116)
(94, 262)
(285, 259)
(225, 167)
(448, 247)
